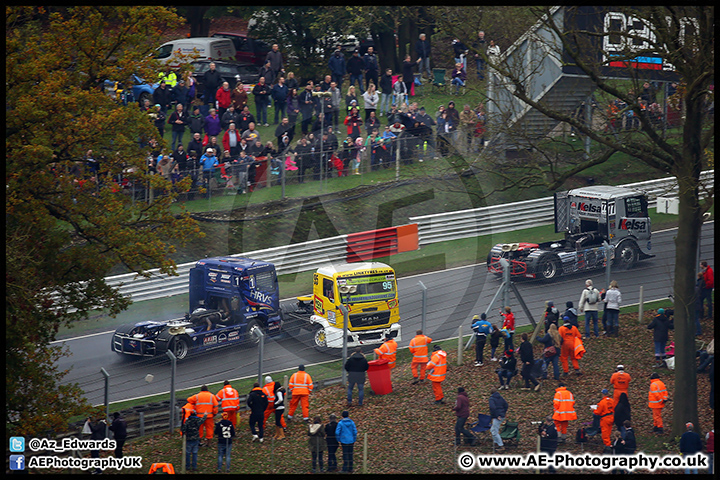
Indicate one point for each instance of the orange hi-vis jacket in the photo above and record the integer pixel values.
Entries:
(269, 390)
(205, 402)
(229, 399)
(419, 348)
(569, 334)
(620, 381)
(187, 409)
(658, 394)
(579, 349)
(300, 383)
(166, 468)
(605, 408)
(564, 405)
(437, 367)
(388, 351)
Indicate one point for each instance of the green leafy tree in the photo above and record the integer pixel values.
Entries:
(66, 227)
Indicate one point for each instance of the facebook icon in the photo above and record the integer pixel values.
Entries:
(17, 462)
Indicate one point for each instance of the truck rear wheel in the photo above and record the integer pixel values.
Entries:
(626, 254)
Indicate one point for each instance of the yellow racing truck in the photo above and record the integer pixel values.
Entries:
(368, 291)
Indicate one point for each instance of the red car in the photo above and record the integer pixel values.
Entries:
(248, 50)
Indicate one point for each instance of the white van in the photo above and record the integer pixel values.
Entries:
(206, 48)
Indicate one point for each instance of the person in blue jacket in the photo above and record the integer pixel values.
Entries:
(346, 433)
(208, 161)
(482, 329)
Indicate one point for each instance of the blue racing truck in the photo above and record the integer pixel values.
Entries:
(232, 300)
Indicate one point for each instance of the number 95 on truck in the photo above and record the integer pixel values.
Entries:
(368, 291)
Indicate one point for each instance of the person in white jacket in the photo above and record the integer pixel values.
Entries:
(371, 99)
(589, 303)
(611, 317)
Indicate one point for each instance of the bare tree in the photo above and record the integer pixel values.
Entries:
(616, 57)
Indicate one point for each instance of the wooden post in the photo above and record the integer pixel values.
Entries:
(640, 306)
(364, 467)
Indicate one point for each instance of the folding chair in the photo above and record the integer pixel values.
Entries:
(439, 79)
(510, 434)
(482, 425)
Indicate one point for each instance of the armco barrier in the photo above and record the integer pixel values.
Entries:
(301, 257)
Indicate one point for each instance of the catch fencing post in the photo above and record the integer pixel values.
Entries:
(106, 398)
(141, 418)
(344, 311)
(640, 306)
(608, 263)
(460, 346)
(173, 367)
(261, 351)
(424, 305)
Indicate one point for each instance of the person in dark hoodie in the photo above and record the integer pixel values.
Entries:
(462, 412)
(528, 362)
(356, 366)
(660, 325)
(552, 315)
(196, 122)
(622, 413)
(498, 409)
(119, 429)
(571, 313)
(97, 432)
(548, 438)
(332, 443)
(337, 66)
(257, 403)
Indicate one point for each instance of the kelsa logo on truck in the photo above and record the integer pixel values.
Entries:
(632, 224)
(586, 207)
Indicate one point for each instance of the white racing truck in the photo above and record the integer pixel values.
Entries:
(588, 216)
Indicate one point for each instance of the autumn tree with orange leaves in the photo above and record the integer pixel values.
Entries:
(65, 227)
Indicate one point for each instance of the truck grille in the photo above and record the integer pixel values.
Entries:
(361, 320)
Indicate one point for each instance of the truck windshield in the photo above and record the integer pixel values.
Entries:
(265, 281)
(369, 288)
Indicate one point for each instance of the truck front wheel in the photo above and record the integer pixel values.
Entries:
(627, 254)
(549, 268)
(180, 347)
(253, 332)
(320, 338)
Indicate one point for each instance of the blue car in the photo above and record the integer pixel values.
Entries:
(138, 92)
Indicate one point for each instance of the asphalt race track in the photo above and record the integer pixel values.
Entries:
(453, 296)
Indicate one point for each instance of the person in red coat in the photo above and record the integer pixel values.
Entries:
(231, 140)
(706, 290)
(223, 97)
